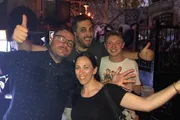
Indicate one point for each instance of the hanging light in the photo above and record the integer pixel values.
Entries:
(86, 6)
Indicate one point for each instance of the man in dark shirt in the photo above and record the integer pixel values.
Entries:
(83, 29)
(42, 80)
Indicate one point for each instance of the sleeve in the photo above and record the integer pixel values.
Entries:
(9, 59)
(6, 61)
(116, 92)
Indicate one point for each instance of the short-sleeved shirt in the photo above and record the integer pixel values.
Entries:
(97, 107)
(40, 86)
(108, 68)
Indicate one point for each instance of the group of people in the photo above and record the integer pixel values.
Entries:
(45, 80)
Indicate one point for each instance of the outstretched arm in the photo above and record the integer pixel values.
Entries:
(152, 102)
(20, 36)
(145, 54)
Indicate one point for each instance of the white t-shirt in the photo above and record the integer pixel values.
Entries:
(108, 68)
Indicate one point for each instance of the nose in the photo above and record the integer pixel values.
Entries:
(113, 45)
(89, 33)
(81, 71)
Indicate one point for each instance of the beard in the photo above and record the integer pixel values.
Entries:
(82, 44)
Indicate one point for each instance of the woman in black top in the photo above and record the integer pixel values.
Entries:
(92, 104)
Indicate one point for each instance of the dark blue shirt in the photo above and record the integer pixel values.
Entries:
(40, 86)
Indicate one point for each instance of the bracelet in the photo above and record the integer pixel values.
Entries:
(175, 88)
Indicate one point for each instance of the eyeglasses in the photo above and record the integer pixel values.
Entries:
(62, 39)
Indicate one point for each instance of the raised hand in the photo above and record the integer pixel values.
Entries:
(146, 53)
(21, 32)
(123, 79)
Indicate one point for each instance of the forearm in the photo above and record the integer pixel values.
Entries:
(150, 103)
(130, 54)
(26, 45)
(158, 99)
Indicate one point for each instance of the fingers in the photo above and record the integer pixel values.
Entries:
(129, 81)
(118, 70)
(147, 54)
(24, 21)
(147, 45)
(21, 28)
(127, 72)
(130, 76)
(21, 32)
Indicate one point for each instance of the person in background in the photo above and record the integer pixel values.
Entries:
(114, 44)
(91, 102)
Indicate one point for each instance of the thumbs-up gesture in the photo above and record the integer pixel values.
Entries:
(21, 32)
(146, 53)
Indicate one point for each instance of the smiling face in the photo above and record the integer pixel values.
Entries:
(60, 48)
(84, 70)
(114, 45)
(84, 33)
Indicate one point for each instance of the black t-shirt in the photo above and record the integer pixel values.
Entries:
(40, 86)
(98, 50)
(97, 107)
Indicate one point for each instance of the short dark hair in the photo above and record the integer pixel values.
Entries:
(69, 29)
(113, 33)
(80, 18)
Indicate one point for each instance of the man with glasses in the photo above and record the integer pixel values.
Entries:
(42, 80)
(83, 30)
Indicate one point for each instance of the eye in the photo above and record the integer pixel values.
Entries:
(62, 39)
(86, 67)
(91, 29)
(77, 67)
(71, 43)
(83, 30)
(108, 43)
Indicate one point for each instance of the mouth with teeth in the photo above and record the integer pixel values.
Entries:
(113, 50)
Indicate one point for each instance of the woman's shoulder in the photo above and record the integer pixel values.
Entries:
(113, 87)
